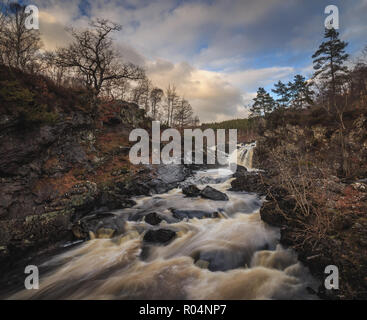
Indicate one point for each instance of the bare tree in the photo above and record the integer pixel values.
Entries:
(183, 114)
(3, 10)
(171, 103)
(93, 57)
(156, 96)
(19, 45)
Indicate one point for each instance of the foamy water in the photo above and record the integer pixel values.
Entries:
(243, 253)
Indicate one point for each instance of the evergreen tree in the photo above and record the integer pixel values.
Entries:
(283, 92)
(300, 92)
(263, 103)
(329, 61)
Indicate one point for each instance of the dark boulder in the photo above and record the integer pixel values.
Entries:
(213, 194)
(191, 214)
(153, 218)
(240, 171)
(191, 191)
(133, 188)
(250, 182)
(113, 201)
(160, 236)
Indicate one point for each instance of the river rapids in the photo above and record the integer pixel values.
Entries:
(232, 256)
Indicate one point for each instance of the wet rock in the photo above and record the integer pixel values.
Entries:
(223, 260)
(191, 214)
(213, 194)
(168, 177)
(191, 191)
(153, 218)
(240, 171)
(133, 188)
(250, 182)
(102, 225)
(113, 201)
(160, 236)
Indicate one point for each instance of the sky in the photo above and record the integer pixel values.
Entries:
(216, 52)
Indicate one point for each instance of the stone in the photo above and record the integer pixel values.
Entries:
(153, 218)
(105, 233)
(160, 236)
(191, 191)
(191, 214)
(213, 194)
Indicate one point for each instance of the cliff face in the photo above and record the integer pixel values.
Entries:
(58, 163)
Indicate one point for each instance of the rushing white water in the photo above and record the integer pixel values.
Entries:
(245, 156)
(242, 253)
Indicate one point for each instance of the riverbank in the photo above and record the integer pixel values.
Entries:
(320, 211)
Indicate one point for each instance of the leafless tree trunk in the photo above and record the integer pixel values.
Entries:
(93, 57)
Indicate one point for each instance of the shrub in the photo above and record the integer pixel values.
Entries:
(21, 102)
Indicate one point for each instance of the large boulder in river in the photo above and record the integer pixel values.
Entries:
(213, 194)
(191, 191)
(161, 236)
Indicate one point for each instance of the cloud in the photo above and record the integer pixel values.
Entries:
(211, 96)
(215, 95)
(216, 52)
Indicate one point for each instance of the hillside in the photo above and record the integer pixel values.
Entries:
(58, 163)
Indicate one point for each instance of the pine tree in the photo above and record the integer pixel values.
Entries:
(283, 92)
(263, 103)
(300, 92)
(329, 61)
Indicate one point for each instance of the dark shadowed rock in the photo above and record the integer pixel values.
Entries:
(213, 194)
(191, 214)
(153, 218)
(162, 236)
(240, 171)
(249, 182)
(113, 201)
(191, 191)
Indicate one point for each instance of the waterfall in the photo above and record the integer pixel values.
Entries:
(245, 155)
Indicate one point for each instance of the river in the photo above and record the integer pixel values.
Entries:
(234, 255)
